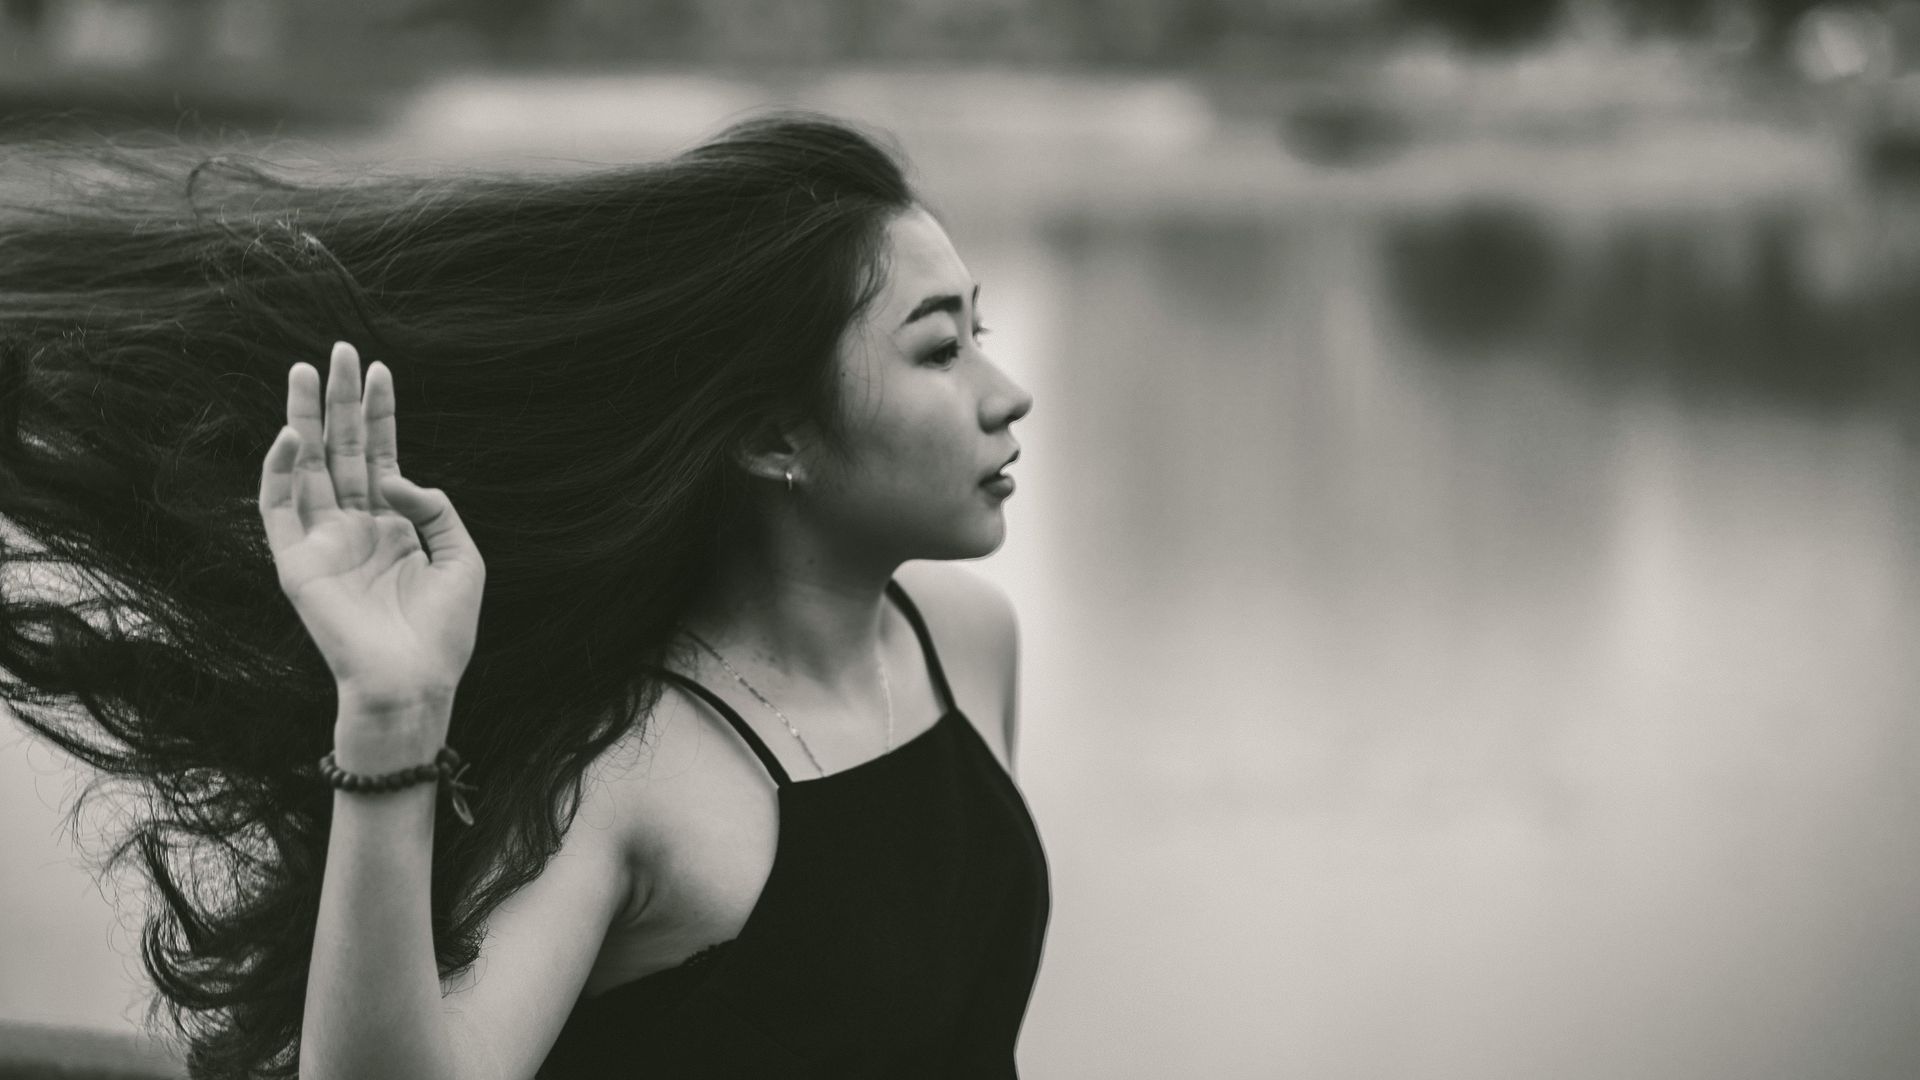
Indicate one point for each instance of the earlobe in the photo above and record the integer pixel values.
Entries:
(771, 467)
(770, 455)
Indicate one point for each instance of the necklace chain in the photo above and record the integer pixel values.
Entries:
(886, 687)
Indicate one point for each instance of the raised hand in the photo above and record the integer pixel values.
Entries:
(381, 571)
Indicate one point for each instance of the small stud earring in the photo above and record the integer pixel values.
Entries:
(789, 481)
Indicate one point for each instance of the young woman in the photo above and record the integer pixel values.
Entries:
(610, 548)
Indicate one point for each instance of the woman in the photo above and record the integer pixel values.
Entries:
(611, 538)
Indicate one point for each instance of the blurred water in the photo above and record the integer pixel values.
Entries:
(1472, 643)
(1468, 638)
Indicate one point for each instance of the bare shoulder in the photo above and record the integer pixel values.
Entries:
(974, 624)
(683, 783)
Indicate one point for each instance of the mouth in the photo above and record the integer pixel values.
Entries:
(1001, 472)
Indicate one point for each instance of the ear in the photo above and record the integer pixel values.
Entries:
(773, 449)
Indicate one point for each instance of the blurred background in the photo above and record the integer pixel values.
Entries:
(1468, 544)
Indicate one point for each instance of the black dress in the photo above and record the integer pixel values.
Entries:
(897, 935)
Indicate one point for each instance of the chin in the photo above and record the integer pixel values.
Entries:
(988, 541)
(975, 543)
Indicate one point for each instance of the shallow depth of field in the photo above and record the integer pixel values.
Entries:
(1468, 535)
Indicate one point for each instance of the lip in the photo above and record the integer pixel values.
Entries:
(999, 485)
(1003, 465)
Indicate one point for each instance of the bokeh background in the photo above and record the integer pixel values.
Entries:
(1468, 544)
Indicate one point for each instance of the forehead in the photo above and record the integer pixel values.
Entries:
(921, 262)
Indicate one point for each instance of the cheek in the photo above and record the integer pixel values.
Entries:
(908, 441)
(932, 448)
(909, 459)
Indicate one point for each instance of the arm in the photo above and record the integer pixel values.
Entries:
(965, 604)
(999, 628)
(374, 1005)
(388, 582)
(1009, 654)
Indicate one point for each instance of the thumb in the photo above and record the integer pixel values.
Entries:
(441, 531)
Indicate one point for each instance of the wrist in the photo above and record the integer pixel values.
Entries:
(383, 704)
(384, 742)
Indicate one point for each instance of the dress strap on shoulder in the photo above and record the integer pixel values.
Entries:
(926, 644)
(753, 740)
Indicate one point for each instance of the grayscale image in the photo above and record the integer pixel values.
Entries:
(1061, 539)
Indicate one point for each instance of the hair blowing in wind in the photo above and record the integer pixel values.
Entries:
(573, 361)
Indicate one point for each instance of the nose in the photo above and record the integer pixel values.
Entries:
(1023, 404)
(1010, 402)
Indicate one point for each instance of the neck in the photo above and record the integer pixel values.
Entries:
(813, 621)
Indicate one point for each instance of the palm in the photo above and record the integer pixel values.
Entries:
(393, 620)
(366, 574)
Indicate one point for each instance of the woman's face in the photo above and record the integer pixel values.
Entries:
(927, 413)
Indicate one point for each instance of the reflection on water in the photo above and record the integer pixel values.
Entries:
(1801, 307)
(1476, 280)
(1473, 643)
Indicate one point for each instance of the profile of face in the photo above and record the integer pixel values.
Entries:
(927, 413)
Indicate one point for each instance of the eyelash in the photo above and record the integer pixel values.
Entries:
(948, 353)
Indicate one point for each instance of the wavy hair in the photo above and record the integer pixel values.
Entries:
(575, 359)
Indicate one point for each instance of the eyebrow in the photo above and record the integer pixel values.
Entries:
(948, 302)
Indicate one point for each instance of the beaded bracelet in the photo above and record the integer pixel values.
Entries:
(446, 767)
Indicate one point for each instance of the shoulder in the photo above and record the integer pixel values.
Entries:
(964, 591)
(974, 624)
(689, 795)
(976, 613)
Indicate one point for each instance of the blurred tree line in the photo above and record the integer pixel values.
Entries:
(1505, 23)
(1098, 31)
(332, 50)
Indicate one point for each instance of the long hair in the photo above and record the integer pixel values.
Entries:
(575, 359)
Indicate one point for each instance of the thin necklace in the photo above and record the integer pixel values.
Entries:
(885, 686)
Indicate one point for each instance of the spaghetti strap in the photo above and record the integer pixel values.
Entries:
(759, 746)
(926, 644)
(754, 742)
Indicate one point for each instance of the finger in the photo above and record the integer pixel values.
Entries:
(312, 487)
(383, 452)
(346, 429)
(441, 531)
(277, 511)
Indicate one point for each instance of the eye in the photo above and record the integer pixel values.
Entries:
(948, 352)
